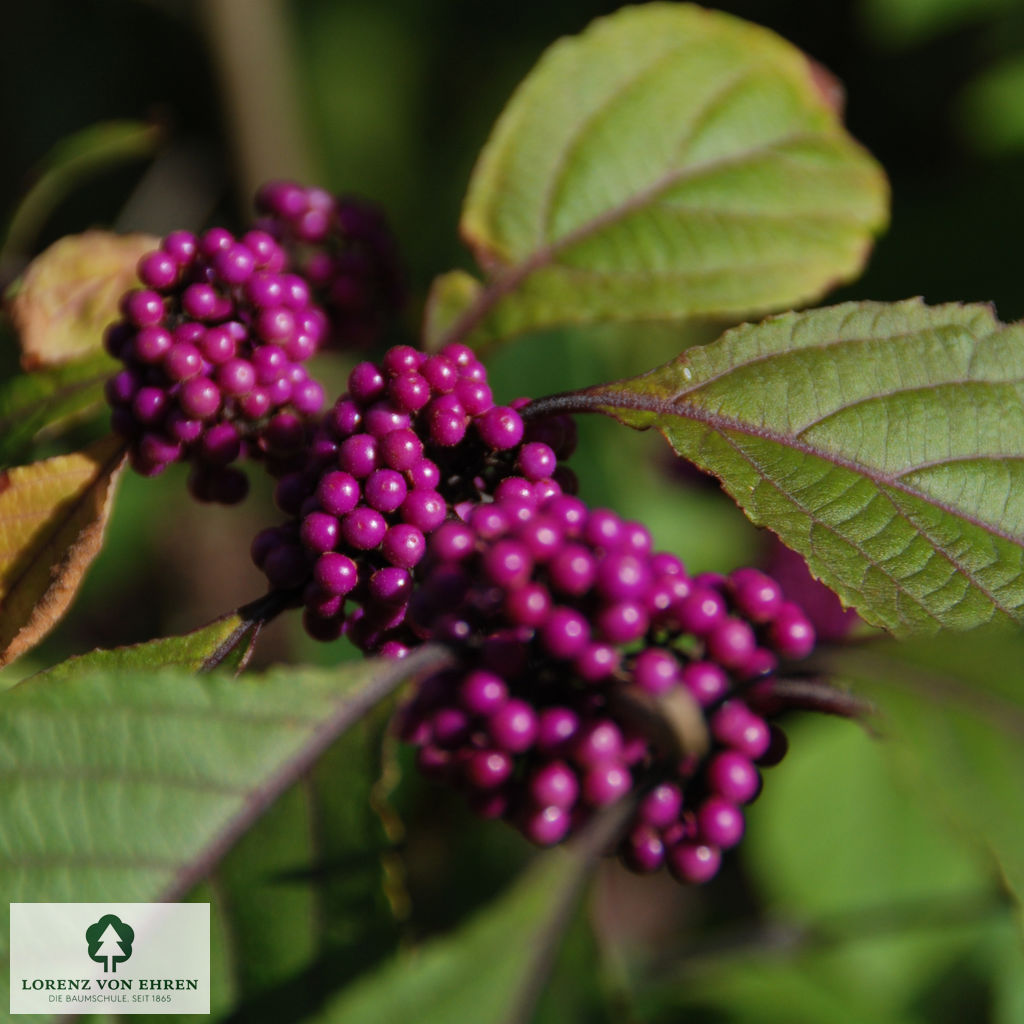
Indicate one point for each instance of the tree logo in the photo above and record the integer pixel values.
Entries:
(110, 941)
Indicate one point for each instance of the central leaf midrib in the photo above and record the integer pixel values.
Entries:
(721, 424)
(638, 200)
(549, 205)
(509, 278)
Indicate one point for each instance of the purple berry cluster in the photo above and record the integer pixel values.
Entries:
(213, 347)
(346, 251)
(567, 628)
(415, 438)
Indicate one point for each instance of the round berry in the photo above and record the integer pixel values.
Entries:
(656, 671)
(694, 863)
(547, 826)
(605, 783)
(513, 727)
(500, 428)
(554, 784)
(733, 777)
(336, 573)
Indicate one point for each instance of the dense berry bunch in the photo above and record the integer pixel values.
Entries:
(576, 645)
(213, 346)
(415, 439)
(345, 249)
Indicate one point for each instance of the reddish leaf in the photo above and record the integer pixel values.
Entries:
(69, 295)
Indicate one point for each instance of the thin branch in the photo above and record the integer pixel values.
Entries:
(813, 694)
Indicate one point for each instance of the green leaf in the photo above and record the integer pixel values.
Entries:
(885, 443)
(224, 644)
(492, 969)
(669, 162)
(47, 400)
(907, 23)
(87, 152)
(70, 294)
(299, 901)
(52, 518)
(953, 708)
(133, 785)
(833, 836)
(868, 909)
(841, 853)
(450, 295)
(751, 988)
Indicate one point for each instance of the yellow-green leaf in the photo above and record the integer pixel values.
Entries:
(69, 294)
(669, 162)
(52, 517)
(48, 400)
(450, 295)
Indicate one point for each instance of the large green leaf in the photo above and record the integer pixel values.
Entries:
(953, 708)
(133, 785)
(751, 988)
(299, 902)
(856, 880)
(669, 162)
(857, 863)
(883, 442)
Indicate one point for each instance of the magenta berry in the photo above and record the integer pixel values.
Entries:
(694, 863)
(556, 613)
(345, 251)
(720, 823)
(656, 670)
(547, 826)
(395, 461)
(513, 726)
(661, 806)
(201, 328)
(733, 776)
(554, 784)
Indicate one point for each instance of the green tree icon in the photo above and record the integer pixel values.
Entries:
(110, 941)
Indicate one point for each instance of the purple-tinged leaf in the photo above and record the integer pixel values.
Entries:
(885, 443)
